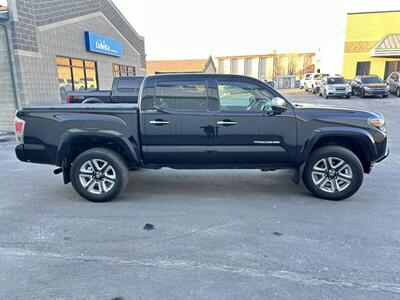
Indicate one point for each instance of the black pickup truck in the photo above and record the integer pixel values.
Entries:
(203, 121)
(124, 90)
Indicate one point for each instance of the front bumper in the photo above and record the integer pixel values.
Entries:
(338, 93)
(376, 93)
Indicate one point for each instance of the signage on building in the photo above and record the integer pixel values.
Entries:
(102, 44)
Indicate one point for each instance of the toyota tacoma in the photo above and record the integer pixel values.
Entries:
(203, 121)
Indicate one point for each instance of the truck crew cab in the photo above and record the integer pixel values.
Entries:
(202, 121)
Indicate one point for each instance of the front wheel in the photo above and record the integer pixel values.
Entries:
(99, 174)
(333, 173)
(398, 92)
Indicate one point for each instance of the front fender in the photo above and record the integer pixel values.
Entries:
(360, 135)
(110, 135)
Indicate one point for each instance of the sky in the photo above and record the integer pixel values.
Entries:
(181, 29)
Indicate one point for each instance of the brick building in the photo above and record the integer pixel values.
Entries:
(51, 47)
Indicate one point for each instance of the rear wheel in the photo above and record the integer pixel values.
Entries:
(333, 173)
(99, 174)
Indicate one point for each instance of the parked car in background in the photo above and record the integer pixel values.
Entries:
(271, 83)
(244, 125)
(313, 84)
(124, 90)
(393, 82)
(369, 85)
(305, 77)
(334, 86)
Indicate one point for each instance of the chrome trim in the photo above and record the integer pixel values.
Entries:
(155, 122)
(226, 123)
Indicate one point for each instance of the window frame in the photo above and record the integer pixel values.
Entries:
(366, 62)
(117, 70)
(71, 68)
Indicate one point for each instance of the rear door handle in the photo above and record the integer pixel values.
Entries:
(226, 123)
(159, 122)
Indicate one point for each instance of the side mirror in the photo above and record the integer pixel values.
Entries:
(278, 105)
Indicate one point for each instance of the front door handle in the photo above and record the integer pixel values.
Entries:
(226, 123)
(159, 122)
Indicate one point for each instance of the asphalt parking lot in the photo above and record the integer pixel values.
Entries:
(217, 234)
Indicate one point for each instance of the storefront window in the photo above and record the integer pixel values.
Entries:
(121, 70)
(64, 81)
(76, 74)
(363, 67)
(390, 67)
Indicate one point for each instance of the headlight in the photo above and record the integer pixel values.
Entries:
(348, 88)
(367, 88)
(378, 123)
(387, 87)
(330, 88)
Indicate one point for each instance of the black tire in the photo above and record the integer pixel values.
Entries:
(347, 96)
(398, 92)
(385, 96)
(350, 160)
(362, 94)
(326, 95)
(312, 90)
(119, 170)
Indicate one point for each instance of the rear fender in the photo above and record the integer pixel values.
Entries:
(131, 148)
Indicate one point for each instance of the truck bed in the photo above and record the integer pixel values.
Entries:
(48, 127)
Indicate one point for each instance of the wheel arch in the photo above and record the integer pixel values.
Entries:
(359, 141)
(76, 141)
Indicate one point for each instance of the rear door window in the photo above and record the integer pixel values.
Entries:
(181, 95)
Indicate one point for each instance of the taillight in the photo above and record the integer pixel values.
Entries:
(68, 99)
(19, 126)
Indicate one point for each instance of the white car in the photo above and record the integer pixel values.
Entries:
(314, 83)
(335, 86)
(305, 77)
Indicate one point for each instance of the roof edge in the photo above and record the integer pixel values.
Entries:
(125, 19)
(374, 12)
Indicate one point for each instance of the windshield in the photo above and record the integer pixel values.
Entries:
(336, 80)
(372, 79)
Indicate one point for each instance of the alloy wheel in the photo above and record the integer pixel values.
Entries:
(97, 176)
(332, 174)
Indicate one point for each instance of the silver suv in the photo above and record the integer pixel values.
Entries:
(335, 86)
(393, 81)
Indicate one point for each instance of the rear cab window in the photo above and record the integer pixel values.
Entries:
(129, 85)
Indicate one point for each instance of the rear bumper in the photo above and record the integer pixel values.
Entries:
(34, 153)
(20, 153)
